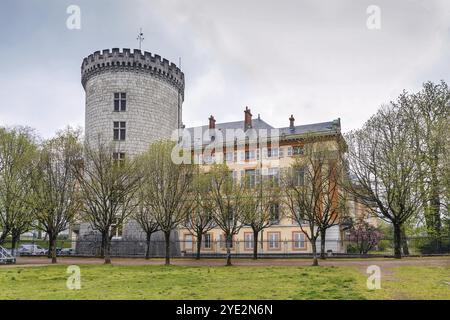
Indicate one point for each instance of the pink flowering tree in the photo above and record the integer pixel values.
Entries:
(364, 236)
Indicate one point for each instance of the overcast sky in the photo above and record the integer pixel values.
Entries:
(314, 59)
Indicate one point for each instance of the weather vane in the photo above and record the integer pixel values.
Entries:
(140, 38)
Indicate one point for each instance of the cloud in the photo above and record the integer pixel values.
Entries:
(47, 102)
(314, 59)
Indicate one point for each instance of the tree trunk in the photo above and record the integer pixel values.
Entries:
(199, 245)
(147, 252)
(14, 240)
(435, 200)
(49, 250)
(102, 247)
(167, 238)
(404, 243)
(106, 242)
(52, 241)
(255, 244)
(397, 241)
(228, 244)
(3, 236)
(322, 244)
(314, 252)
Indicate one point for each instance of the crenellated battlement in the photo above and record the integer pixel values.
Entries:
(132, 60)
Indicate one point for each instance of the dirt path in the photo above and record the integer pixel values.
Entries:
(360, 263)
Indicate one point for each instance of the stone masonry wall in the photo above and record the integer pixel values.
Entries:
(154, 90)
(152, 109)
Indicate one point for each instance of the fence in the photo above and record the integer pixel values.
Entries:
(266, 248)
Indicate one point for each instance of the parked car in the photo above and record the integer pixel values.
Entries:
(67, 252)
(31, 250)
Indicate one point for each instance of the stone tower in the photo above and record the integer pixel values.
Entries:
(132, 98)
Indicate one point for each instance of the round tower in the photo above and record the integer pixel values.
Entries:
(133, 98)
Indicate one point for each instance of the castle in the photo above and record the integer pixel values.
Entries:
(134, 98)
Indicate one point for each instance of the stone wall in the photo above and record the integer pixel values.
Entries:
(151, 114)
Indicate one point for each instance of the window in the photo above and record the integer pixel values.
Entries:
(222, 241)
(289, 151)
(207, 242)
(299, 240)
(272, 152)
(250, 178)
(248, 240)
(188, 243)
(281, 152)
(299, 176)
(120, 101)
(297, 150)
(119, 130)
(241, 156)
(250, 155)
(116, 230)
(275, 212)
(274, 240)
(229, 156)
(119, 158)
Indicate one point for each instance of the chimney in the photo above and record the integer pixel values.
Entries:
(212, 122)
(248, 119)
(291, 122)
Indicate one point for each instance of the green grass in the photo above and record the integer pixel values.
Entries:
(418, 282)
(177, 282)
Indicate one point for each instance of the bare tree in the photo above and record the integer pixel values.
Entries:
(312, 192)
(56, 200)
(107, 187)
(228, 203)
(260, 201)
(383, 167)
(18, 150)
(145, 217)
(333, 199)
(200, 220)
(167, 188)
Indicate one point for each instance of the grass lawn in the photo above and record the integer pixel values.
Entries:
(179, 282)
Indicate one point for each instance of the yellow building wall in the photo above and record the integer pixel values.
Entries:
(284, 229)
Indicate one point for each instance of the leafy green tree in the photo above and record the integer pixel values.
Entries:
(145, 216)
(167, 187)
(261, 200)
(18, 150)
(107, 186)
(55, 197)
(200, 219)
(428, 116)
(384, 169)
(228, 203)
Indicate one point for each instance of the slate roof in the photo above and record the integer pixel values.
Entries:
(256, 124)
(330, 127)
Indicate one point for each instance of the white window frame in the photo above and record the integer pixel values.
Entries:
(248, 243)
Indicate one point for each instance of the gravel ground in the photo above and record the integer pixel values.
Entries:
(359, 262)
